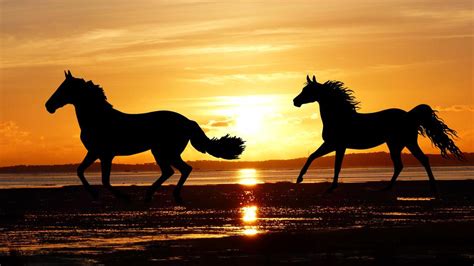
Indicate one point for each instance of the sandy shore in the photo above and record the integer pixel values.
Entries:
(235, 224)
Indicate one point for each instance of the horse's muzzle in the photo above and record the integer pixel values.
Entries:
(50, 109)
(297, 104)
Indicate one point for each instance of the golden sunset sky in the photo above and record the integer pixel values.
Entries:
(232, 66)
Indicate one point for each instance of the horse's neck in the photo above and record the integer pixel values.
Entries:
(90, 116)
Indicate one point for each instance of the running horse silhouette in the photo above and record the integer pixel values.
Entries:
(107, 132)
(344, 127)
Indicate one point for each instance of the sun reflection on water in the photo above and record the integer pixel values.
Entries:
(415, 198)
(249, 217)
(248, 177)
(251, 231)
(249, 214)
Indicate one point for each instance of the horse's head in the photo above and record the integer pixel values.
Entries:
(309, 94)
(65, 94)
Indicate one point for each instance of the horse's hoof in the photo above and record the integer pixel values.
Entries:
(147, 199)
(179, 201)
(94, 194)
(330, 189)
(299, 180)
(124, 198)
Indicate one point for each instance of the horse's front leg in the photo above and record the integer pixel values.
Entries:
(337, 167)
(88, 161)
(321, 151)
(106, 167)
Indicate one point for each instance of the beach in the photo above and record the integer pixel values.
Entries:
(239, 224)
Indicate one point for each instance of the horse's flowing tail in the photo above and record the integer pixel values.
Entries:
(226, 147)
(437, 131)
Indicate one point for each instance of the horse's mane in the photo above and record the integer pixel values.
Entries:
(338, 90)
(96, 93)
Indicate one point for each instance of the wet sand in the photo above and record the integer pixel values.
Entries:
(236, 224)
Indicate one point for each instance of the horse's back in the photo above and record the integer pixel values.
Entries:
(163, 115)
(125, 134)
(157, 120)
(385, 117)
(158, 123)
(366, 130)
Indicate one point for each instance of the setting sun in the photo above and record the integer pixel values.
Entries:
(248, 120)
(248, 114)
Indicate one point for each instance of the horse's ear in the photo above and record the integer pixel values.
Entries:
(69, 74)
(314, 79)
(307, 79)
(65, 74)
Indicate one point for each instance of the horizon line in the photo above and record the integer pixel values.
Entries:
(236, 161)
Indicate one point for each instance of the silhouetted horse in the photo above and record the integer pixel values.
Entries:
(106, 133)
(344, 127)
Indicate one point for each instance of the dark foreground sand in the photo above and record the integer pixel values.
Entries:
(290, 224)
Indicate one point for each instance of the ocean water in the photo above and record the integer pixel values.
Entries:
(65, 221)
(241, 176)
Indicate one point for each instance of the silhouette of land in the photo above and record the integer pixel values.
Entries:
(376, 159)
(288, 223)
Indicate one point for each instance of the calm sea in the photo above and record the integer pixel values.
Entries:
(242, 176)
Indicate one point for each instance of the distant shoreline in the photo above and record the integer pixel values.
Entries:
(357, 160)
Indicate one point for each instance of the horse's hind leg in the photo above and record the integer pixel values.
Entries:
(185, 170)
(88, 161)
(418, 153)
(106, 166)
(166, 172)
(396, 156)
